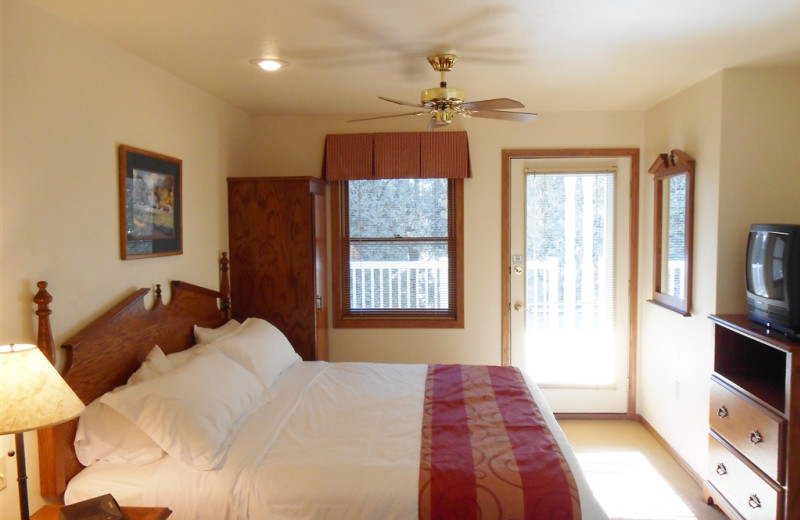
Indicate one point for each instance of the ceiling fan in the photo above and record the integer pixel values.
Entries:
(444, 102)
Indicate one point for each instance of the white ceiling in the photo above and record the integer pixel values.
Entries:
(552, 55)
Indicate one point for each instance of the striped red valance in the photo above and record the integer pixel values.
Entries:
(396, 155)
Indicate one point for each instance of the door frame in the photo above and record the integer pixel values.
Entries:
(505, 250)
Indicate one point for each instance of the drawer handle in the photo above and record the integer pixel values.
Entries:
(754, 502)
(721, 469)
(722, 412)
(755, 437)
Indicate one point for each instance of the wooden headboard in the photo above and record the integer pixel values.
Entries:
(106, 352)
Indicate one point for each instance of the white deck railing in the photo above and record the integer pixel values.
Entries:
(399, 285)
(676, 278)
(548, 302)
(556, 303)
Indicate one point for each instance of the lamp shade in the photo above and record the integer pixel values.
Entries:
(33, 394)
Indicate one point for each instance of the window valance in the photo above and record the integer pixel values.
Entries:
(396, 155)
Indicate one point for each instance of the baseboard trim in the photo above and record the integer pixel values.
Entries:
(680, 460)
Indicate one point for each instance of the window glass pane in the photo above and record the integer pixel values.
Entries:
(570, 286)
(674, 277)
(394, 208)
(399, 281)
(399, 249)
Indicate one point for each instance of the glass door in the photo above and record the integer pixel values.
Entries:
(569, 290)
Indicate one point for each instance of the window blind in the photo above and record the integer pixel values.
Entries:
(398, 249)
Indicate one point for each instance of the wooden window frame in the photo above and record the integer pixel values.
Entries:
(400, 319)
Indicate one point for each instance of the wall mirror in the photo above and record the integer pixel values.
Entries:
(673, 174)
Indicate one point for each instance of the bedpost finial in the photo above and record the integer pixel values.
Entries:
(158, 294)
(44, 337)
(225, 285)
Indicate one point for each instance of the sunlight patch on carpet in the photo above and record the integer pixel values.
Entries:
(629, 487)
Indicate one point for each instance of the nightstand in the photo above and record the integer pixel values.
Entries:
(131, 513)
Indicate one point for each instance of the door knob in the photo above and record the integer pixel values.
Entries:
(519, 307)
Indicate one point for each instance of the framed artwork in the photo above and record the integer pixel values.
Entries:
(149, 204)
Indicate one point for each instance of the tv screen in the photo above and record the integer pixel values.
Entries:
(765, 258)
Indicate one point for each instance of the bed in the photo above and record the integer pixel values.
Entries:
(218, 420)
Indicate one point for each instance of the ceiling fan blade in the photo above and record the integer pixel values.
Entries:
(405, 103)
(384, 117)
(492, 104)
(506, 116)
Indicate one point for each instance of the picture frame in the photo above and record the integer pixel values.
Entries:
(150, 204)
(673, 231)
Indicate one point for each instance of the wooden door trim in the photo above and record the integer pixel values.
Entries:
(633, 307)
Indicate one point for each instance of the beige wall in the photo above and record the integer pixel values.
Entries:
(68, 100)
(760, 164)
(675, 352)
(743, 129)
(294, 146)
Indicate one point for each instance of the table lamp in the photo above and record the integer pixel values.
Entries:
(32, 396)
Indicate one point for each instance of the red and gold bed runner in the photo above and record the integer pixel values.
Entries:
(487, 452)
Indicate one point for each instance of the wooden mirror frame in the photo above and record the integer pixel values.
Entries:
(666, 167)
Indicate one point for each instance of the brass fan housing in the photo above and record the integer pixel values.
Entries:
(450, 95)
(442, 62)
(442, 95)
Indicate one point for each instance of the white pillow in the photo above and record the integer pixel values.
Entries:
(104, 434)
(191, 411)
(183, 356)
(207, 335)
(261, 348)
(154, 365)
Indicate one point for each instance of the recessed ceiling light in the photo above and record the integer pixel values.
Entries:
(270, 64)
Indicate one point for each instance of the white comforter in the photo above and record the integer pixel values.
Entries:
(337, 441)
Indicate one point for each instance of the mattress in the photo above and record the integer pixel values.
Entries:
(337, 440)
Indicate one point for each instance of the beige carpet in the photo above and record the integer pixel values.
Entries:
(632, 476)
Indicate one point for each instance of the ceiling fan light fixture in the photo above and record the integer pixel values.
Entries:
(270, 64)
(443, 116)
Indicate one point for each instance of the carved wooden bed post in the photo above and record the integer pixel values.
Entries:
(225, 285)
(48, 441)
(44, 338)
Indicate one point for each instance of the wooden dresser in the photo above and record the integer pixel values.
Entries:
(278, 248)
(754, 437)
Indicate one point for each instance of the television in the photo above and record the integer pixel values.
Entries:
(772, 276)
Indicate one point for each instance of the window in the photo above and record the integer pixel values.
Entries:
(397, 225)
(398, 253)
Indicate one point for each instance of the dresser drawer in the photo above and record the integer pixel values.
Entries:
(752, 496)
(753, 430)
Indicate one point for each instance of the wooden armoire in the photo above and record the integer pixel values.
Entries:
(278, 247)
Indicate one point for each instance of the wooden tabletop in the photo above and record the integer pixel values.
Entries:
(50, 512)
